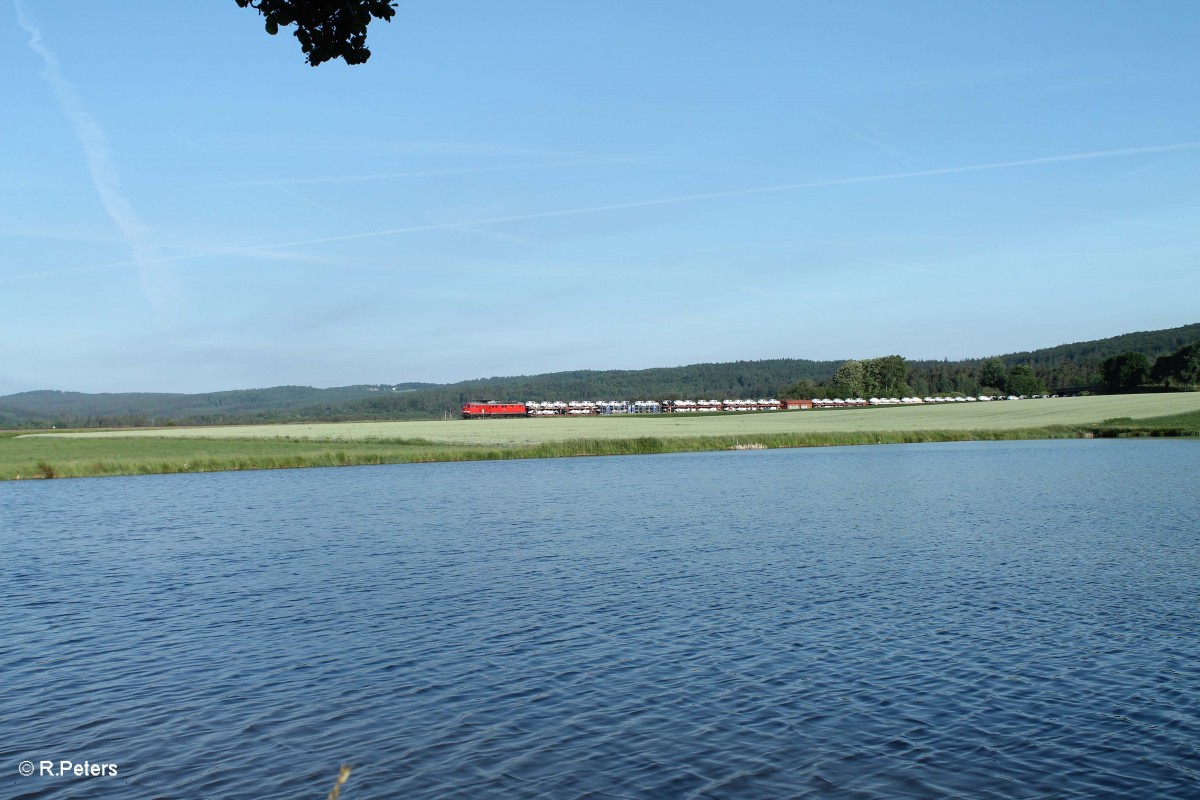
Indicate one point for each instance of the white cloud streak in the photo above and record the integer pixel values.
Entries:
(691, 198)
(312, 202)
(99, 158)
(189, 142)
(382, 176)
(860, 135)
(787, 187)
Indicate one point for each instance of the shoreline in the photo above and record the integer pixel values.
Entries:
(63, 457)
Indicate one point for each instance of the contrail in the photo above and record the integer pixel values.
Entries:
(95, 148)
(786, 187)
(311, 202)
(859, 135)
(379, 176)
(690, 198)
(188, 142)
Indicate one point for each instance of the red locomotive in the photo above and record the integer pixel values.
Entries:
(485, 410)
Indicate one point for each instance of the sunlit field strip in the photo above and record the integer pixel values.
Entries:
(996, 415)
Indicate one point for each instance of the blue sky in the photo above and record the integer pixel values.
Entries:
(523, 187)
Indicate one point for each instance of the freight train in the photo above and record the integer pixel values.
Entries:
(574, 408)
(579, 408)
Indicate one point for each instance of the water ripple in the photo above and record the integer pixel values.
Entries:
(1002, 620)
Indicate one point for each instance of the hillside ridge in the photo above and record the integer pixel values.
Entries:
(1073, 364)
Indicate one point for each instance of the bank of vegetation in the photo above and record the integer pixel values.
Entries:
(78, 458)
(1186, 424)
(63, 456)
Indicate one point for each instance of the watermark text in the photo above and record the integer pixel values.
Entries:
(68, 769)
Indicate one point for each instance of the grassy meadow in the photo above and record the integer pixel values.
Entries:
(165, 450)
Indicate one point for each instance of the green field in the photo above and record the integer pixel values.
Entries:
(96, 453)
(1003, 415)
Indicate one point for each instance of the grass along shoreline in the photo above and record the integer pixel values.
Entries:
(46, 457)
(74, 454)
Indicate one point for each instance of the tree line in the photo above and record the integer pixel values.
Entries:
(893, 376)
(1131, 370)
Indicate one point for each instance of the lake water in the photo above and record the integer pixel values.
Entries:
(985, 620)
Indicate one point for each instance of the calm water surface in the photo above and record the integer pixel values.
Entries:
(996, 620)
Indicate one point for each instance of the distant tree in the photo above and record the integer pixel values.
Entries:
(849, 380)
(942, 378)
(1023, 381)
(803, 390)
(885, 377)
(327, 29)
(1188, 363)
(1125, 371)
(993, 375)
(1180, 368)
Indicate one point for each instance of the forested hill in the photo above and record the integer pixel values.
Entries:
(1067, 365)
(401, 401)
(1152, 344)
(145, 408)
(1075, 365)
(741, 378)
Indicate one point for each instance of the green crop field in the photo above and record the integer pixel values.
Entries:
(995, 415)
(94, 453)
